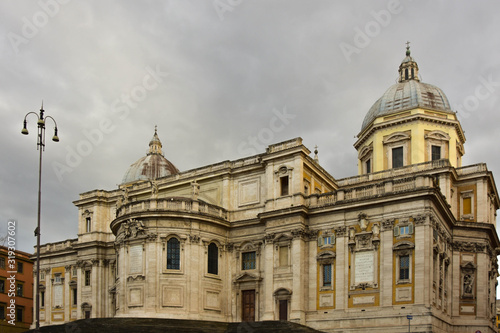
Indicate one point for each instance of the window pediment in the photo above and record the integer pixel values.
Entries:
(396, 137)
(403, 246)
(247, 277)
(437, 135)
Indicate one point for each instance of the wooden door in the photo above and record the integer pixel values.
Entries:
(248, 305)
(283, 309)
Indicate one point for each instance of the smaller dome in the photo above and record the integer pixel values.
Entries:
(152, 166)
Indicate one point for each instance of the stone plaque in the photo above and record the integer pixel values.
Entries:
(135, 259)
(172, 296)
(58, 295)
(212, 300)
(135, 296)
(403, 294)
(326, 300)
(363, 300)
(363, 267)
(467, 309)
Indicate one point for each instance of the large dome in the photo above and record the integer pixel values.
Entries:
(408, 93)
(153, 165)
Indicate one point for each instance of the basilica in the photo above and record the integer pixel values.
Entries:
(410, 239)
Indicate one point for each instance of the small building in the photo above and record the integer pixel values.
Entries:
(16, 290)
(275, 236)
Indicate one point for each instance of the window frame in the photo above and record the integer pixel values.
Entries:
(87, 278)
(248, 258)
(88, 224)
(433, 153)
(19, 289)
(324, 268)
(20, 267)
(398, 148)
(19, 313)
(2, 262)
(175, 256)
(212, 259)
(325, 259)
(403, 249)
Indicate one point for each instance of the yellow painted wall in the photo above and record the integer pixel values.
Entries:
(418, 129)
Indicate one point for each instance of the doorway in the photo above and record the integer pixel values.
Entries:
(248, 305)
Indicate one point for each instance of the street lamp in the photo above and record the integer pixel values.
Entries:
(40, 145)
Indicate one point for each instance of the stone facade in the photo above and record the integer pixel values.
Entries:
(275, 237)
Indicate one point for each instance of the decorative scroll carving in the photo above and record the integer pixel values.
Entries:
(131, 229)
(420, 219)
(132, 278)
(195, 239)
(340, 231)
(268, 238)
(468, 247)
(388, 224)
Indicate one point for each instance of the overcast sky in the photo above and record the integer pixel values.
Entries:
(222, 80)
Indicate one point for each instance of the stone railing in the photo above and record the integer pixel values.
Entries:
(414, 168)
(172, 204)
(372, 190)
(58, 246)
(467, 170)
(284, 145)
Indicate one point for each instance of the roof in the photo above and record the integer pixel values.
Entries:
(152, 166)
(409, 93)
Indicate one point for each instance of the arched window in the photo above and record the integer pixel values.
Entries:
(213, 259)
(173, 254)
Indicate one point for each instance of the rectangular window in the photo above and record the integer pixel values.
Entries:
(19, 314)
(397, 157)
(74, 292)
(57, 278)
(248, 260)
(368, 165)
(87, 278)
(404, 230)
(74, 272)
(284, 185)
(283, 256)
(2, 285)
(327, 275)
(42, 298)
(88, 224)
(19, 289)
(436, 153)
(327, 240)
(2, 262)
(20, 267)
(404, 267)
(2, 311)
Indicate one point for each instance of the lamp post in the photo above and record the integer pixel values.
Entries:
(41, 147)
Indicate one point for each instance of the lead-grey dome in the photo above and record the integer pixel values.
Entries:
(408, 93)
(152, 166)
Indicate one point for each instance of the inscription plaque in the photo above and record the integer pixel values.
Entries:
(58, 295)
(363, 263)
(135, 259)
